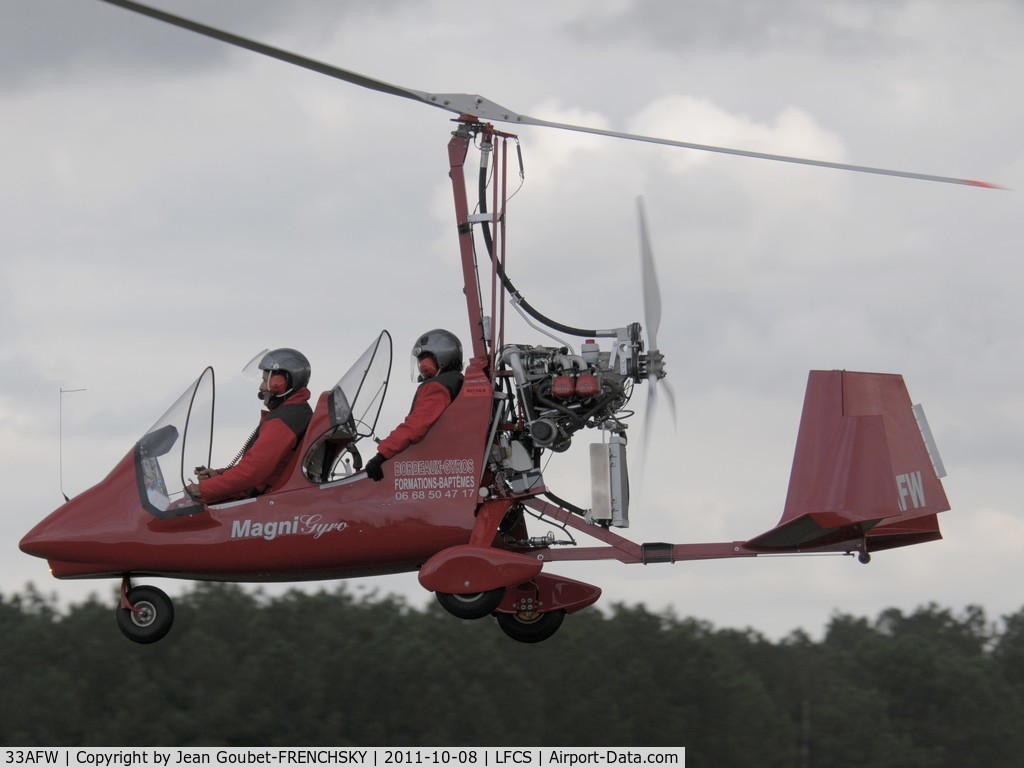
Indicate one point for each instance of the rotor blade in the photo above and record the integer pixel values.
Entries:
(485, 109)
(652, 293)
(274, 53)
(759, 155)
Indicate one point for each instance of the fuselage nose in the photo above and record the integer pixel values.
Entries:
(33, 543)
(99, 516)
(54, 535)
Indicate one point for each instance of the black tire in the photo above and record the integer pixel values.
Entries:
(152, 618)
(534, 630)
(474, 606)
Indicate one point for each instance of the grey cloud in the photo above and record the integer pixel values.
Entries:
(747, 25)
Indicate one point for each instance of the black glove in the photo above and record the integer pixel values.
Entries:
(373, 468)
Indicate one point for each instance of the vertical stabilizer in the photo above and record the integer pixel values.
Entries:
(861, 469)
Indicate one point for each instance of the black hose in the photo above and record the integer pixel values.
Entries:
(505, 281)
(565, 504)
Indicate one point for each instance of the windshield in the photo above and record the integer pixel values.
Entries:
(357, 398)
(353, 407)
(181, 439)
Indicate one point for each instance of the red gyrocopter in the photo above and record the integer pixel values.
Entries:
(468, 508)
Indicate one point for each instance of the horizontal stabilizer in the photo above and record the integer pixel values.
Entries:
(916, 530)
(861, 469)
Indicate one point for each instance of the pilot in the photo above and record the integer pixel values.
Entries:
(271, 445)
(438, 359)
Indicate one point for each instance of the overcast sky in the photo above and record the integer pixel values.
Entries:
(169, 203)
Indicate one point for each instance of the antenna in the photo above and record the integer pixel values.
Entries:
(60, 440)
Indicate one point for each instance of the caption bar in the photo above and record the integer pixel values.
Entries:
(479, 757)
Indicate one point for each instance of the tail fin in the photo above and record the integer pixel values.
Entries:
(861, 470)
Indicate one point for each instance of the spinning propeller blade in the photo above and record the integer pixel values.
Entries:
(652, 293)
(652, 321)
(485, 109)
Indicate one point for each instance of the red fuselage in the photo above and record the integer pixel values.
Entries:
(300, 530)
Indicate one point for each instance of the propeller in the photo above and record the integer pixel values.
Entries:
(478, 107)
(655, 369)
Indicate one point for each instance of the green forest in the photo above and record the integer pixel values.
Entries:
(933, 687)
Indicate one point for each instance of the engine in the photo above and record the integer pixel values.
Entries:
(550, 393)
(559, 393)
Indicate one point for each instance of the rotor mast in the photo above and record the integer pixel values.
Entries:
(486, 329)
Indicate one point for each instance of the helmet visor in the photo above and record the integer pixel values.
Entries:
(252, 370)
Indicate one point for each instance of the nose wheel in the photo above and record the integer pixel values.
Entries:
(145, 614)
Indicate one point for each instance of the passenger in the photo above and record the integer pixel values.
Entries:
(438, 356)
(271, 445)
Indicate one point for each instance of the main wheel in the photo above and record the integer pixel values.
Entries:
(530, 627)
(474, 606)
(151, 618)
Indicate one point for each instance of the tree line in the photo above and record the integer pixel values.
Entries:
(241, 668)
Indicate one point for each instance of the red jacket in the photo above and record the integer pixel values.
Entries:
(261, 465)
(432, 397)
